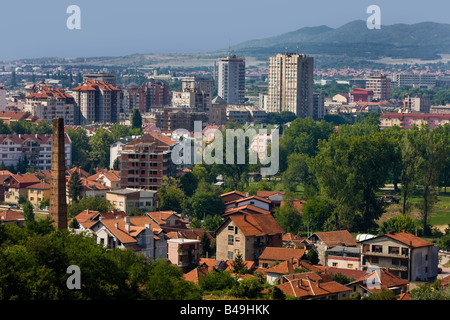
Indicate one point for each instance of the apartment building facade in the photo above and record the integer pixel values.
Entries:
(380, 84)
(144, 162)
(153, 94)
(35, 148)
(47, 103)
(413, 80)
(291, 84)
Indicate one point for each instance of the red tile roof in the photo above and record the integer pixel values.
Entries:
(281, 254)
(255, 225)
(10, 215)
(95, 85)
(408, 239)
(337, 238)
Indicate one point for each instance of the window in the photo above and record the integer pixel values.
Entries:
(395, 262)
(230, 240)
(230, 255)
(405, 251)
(394, 250)
(334, 264)
(237, 239)
(350, 266)
(376, 248)
(230, 228)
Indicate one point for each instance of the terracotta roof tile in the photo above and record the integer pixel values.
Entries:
(256, 224)
(11, 215)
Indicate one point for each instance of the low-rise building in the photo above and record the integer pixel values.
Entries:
(403, 254)
(409, 120)
(323, 241)
(12, 217)
(183, 253)
(248, 235)
(128, 199)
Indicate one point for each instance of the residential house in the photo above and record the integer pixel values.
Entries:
(12, 217)
(322, 241)
(108, 178)
(256, 201)
(273, 255)
(4, 175)
(38, 192)
(289, 266)
(232, 195)
(248, 235)
(17, 186)
(133, 233)
(183, 253)
(376, 280)
(403, 254)
(344, 257)
(127, 199)
(88, 218)
(167, 220)
(313, 286)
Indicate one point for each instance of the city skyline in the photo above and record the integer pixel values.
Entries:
(142, 27)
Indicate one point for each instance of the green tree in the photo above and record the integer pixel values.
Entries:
(205, 201)
(316, 211)
(398, 224)
(171, 196)
(238, 265)
(288, 217)
(28, 212)
(100, 144)
(312, 257)
(75, 187)
(136, 119)
(91, 203)
(80, 148)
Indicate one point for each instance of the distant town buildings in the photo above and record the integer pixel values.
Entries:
(413, 80)
(291, 84)
(231, 79)
(408, 120)
(416, 104)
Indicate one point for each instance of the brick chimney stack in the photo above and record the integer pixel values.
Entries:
(58, 205)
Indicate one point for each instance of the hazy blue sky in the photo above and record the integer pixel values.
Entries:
(37, 28)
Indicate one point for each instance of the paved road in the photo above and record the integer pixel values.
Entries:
(445, 271)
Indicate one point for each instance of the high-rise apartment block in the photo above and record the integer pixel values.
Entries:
(101, 76)
(231, 79)
(291, 84)
(97, 101)
(46, 103)
(380, 84)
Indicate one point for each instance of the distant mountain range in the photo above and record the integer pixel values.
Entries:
(424, 41)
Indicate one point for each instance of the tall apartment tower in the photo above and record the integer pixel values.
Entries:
(58, 205)
(231, 79)
(2, 98)
(380, 84)
(291, 84)
(97, 101)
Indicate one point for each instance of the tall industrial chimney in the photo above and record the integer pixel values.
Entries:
(58, 205)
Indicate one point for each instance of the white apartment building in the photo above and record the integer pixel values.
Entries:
(36, 148)
(413, 80)
(231, 79)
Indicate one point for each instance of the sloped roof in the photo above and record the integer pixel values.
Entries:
(254, 225)
(408, 239)
(246, 209)
(281, 254)
(11, 215)
(336, 238)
